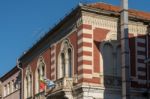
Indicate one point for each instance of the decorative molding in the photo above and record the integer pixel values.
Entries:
(137, 29)
(79, 22)
(111, 36)
(104, 22)
(28, 70)
(101, 22)
(65, 45)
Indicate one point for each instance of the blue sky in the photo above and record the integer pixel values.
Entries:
(23, 22)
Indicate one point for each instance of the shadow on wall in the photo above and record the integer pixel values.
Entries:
(111, 62)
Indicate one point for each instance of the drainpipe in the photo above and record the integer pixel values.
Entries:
(125, 62)
(21, 84)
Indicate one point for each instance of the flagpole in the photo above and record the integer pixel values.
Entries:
(125, 62)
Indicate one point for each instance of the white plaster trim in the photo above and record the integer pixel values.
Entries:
(87, 40)
(141, 65)
(84, 31)
(31, 73)
(100, 22)
(88, 58)
(141, 57)
(106, 23)
(52, 59)
(141, 40)
(137, 29)
(92, 51)
(142, 73)
(64, 49)
(83, 48)
(85, 76)
(96, 75)
(141, 48)
(84, 66)
(111, 36)
(80, 32)
(53, 51)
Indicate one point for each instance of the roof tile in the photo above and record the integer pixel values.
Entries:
(108, 7)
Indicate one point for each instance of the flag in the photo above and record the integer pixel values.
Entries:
(46, 82)
(42, 83)
(42, 86)
(49, 83)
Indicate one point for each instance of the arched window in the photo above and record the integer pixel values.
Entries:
(70, 62)
(28, 83)
(40, 73)
(63, 64)
(108, 59)
(65, 60)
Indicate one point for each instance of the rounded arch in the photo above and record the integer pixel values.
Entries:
(107, 58)
(105, 43)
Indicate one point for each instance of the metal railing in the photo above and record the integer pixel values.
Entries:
(40, 95)
(112, 81)
(62, 84)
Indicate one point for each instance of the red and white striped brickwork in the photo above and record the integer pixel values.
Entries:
(138, 52)
(140, 57)
(53, 62)
(85, 53)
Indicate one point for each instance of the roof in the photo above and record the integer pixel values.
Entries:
(132, 12)
(9, 74)
(102, 6)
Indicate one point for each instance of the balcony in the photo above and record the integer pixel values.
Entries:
(62, 85)
(40, 95)
(30, 97)
(112, 81)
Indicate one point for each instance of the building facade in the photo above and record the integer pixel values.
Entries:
(82, 56)
(10, 84)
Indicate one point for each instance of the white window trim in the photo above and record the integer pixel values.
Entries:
(59, 75)
(28, 73)
(36, 73)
